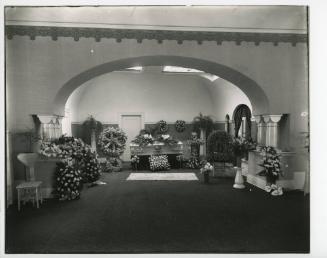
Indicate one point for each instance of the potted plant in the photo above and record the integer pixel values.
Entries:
(205, 170)
(205, 125)
(94, 127)
(272, 169)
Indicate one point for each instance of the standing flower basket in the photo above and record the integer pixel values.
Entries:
(112, 142)
(272, 169)
(205, 171)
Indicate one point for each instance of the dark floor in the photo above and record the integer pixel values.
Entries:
(163, 216)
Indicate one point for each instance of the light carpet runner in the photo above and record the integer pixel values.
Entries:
(163, 176)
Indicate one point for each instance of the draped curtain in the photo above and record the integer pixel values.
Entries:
(239, 112)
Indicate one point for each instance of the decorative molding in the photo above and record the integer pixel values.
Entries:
(159, 35)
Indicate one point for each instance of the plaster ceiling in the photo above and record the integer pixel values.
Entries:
(279, 19)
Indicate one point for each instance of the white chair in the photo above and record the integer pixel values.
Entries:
(29, 190)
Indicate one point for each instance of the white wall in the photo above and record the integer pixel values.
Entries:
(226, 98)
(157, 95)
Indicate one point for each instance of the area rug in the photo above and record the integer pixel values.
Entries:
(163, 176)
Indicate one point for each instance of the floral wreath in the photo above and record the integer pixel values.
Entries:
(180, 126)
(163, 127)
(112, 141)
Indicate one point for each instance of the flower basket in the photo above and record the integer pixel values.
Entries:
(206, 177)
(205, 171)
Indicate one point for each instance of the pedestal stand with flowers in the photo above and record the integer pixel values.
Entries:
(205, 171)
(272, 169)
(194, 144)
(112, 142)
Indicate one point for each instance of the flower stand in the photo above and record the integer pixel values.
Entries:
(239, 181)
(206, 177)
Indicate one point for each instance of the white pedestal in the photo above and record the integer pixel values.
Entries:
(239, 181)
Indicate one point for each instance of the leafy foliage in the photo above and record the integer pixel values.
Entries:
(92, 124)
(220, 147)
(202, 122)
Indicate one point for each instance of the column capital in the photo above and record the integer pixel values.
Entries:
(46, 119)
(272, 118)
(275, 118)
(257, 118)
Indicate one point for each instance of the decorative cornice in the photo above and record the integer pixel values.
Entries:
(119, 34)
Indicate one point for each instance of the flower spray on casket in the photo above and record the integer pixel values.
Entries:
(272, 169)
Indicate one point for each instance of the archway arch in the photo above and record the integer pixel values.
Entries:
(241, 112)
(254, 92)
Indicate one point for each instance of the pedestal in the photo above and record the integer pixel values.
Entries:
(239, 181)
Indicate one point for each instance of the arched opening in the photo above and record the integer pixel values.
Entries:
(254, 92)
(242, 121)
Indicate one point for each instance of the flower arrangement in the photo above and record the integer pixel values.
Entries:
(143, 139)
(68, 181)
(180, 126)
(135, 159)
(106, 166)
(271, 164)
(166, 138)
(50, 149)
(242, 145)
(206, 167)
(195, 141)
(159, 162)
(78, 162)
(193, 162)
(162, 126)
(89, 166)
(112, 141)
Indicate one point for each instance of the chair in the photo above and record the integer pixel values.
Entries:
(30, 189)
